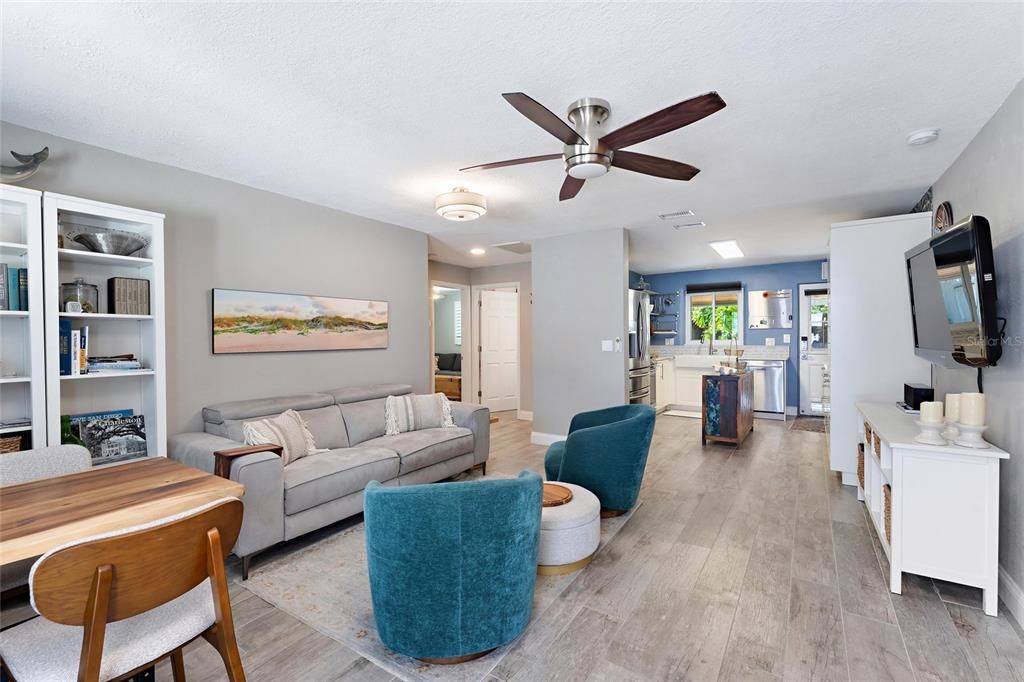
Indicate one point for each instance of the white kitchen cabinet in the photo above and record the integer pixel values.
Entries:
(666, 387)
(688, 386)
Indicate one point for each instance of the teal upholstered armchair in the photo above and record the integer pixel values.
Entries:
(606, 453)
(452, 565)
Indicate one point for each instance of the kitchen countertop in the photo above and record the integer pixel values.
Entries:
(780, 352)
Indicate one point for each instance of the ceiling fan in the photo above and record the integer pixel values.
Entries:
(590, 152)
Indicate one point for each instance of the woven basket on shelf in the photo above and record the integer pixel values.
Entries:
(9, 444)
(860, 465)
(887, 489)
(878, 446)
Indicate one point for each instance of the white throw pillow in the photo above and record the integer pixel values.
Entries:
(288, 430)
(414, 412)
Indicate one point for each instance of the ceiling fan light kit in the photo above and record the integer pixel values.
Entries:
(589, 152)
(460, 205)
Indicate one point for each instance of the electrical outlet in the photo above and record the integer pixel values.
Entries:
(769, 341)
(607, 345)
(785, 338)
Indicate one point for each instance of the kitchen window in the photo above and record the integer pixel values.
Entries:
(714, 315)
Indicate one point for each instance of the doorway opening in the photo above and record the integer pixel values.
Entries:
(450, 322)
(494, 350)
(815, 350)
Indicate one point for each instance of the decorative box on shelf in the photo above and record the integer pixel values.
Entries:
(935, 508)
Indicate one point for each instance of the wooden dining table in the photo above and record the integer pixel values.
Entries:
(38, 516)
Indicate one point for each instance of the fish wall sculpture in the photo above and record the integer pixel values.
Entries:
(29, 165)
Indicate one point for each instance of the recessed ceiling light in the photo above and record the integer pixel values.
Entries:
(478, 251)
(923, 136)
(727, 249)
(460, 205)
(687, 226)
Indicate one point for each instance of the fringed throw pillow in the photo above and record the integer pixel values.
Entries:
(288, 430)
(414, 412)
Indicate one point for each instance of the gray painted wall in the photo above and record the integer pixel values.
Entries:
(579, 292)
(987, 179)
(444, 323)
(221, 234)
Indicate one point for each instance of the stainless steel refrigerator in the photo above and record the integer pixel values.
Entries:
(638, 374)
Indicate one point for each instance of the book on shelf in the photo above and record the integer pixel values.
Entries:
(13, 288)
(76, 352)
(128, 296)
(23, 289)
(83, 350)
(64, 348)
(115, 362)
(111, 436)
(16, 423)
(4, 299)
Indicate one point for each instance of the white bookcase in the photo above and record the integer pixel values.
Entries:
(22, 376)
(143, 391)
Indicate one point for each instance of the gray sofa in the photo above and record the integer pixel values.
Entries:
(282, 503)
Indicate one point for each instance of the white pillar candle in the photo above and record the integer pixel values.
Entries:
(931, 412)
(953, 407)
(972, 409)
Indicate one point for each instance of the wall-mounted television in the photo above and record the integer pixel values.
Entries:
(953, 296)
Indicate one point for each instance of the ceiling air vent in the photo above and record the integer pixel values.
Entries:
(520, 248)
(674, 215)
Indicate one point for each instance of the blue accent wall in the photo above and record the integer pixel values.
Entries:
(775, 276)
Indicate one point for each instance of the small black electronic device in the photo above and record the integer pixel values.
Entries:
(915, 394)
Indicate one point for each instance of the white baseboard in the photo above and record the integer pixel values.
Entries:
(524, 415)
(1011, 594)
(538, 438)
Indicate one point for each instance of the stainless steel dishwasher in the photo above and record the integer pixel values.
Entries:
(769, 388)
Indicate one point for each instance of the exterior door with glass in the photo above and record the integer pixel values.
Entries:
(814, 349)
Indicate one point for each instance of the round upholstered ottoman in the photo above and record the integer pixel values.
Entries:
(569, 530)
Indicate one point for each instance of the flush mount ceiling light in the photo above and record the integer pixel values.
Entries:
(460, 205)
(477, 251)
(923, 136)
(727, 249)
(687, 226)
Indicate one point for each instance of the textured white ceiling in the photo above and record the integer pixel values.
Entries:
(371, 108)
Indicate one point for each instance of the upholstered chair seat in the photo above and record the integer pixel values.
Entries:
(452, 565)
(606, 453)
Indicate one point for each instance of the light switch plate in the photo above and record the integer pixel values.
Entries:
(785, 338)
(607, 345)
(769, 341)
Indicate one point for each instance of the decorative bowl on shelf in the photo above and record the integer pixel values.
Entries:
(107, 240)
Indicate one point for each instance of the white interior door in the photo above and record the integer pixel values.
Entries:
(814, 347)
(499, 349)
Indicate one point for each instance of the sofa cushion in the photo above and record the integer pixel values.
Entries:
(363, 420)
(264, 407)
(446, 362)
(327, 476)
(419, 449)
(327, 427)
(355, 394)
(457, 363)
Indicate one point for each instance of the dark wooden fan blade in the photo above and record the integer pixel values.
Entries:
(653, 165)
(664, 121)
(513, 162)
(570, 188)
(544, 117)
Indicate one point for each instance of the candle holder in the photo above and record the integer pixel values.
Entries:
(930, 434)
(970, 437)
(952, 431)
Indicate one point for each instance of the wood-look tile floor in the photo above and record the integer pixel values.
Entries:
(740, 564)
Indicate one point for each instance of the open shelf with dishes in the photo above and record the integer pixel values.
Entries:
(22, 361)
(116, 302)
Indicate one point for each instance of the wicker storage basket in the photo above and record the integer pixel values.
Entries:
(878, 447)
(860, 465)
(887, 489)
(9, 444)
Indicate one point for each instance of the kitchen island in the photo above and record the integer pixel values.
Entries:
(727, 410)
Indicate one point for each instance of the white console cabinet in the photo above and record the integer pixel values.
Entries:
(943, 501)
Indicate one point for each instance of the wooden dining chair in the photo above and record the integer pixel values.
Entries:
(133, 597)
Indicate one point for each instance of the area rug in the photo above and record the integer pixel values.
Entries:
(805, 423)
(325, 585)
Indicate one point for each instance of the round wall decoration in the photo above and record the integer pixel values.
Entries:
(943, 216)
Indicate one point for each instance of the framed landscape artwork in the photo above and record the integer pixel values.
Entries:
(262, 322)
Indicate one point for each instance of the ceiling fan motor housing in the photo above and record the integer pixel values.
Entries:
(584, 161)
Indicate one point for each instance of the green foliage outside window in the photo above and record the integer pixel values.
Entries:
(726, 321)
